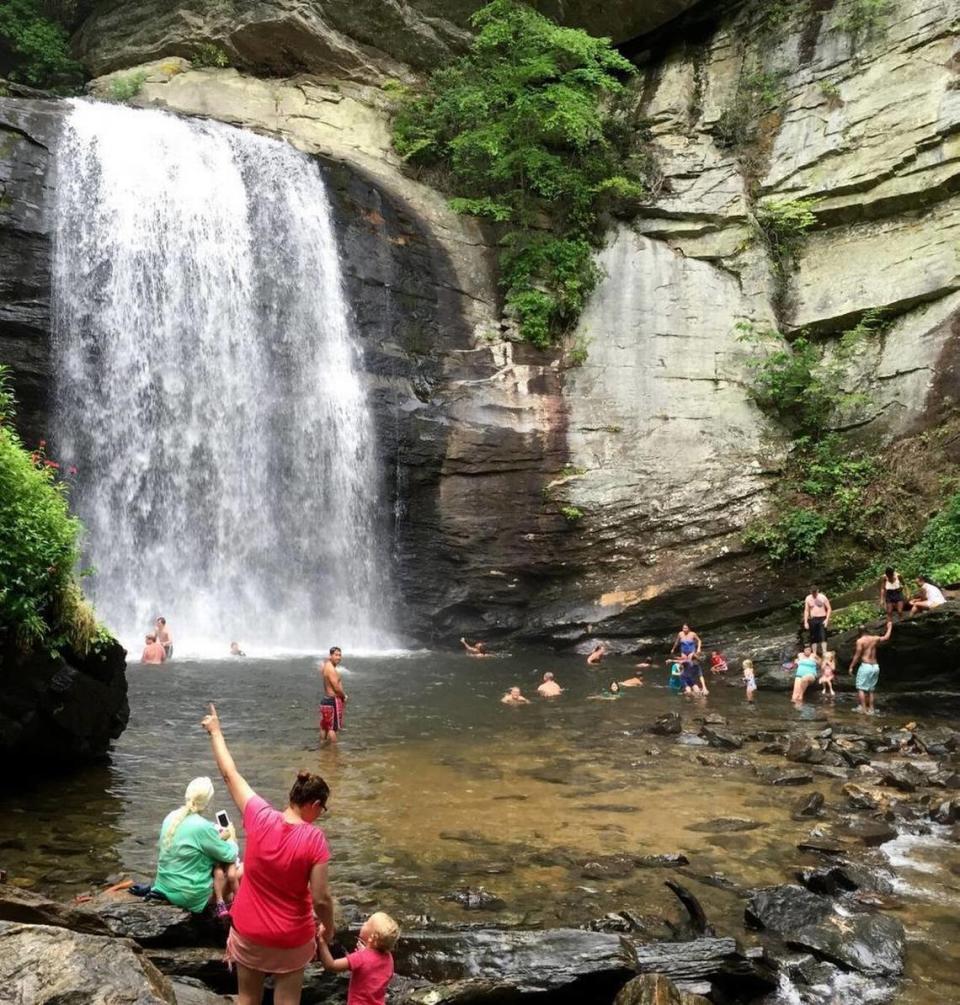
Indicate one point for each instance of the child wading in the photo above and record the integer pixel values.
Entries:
(371, 965)
(749, 681)
(828, 673)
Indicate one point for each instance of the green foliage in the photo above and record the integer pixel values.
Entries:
(759, 93)
(864, 18)
(783, 225)
(40, 601)
(862, 612)
(938, 549)
(571, 514)
(34, 49)
(945, 575)
(522, 131)
(794, 535)
(208, 54)
(797, 382)
(578, 353)
(829, 89)
(127, 86)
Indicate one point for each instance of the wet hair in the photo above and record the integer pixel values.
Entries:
(336, 649)
(151, 637)
(548, 676)
(481, 647)
(195, 798)
(614, 687)
(889, 572)
(309, 788)
(162, 621)
(814, 588)
(385, 932)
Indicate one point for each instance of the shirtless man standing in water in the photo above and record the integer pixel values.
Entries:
(334, 699)
(866, 655)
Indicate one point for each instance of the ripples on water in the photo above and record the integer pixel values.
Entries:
(436, 785)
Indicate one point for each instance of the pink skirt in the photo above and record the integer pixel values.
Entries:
(267, 959)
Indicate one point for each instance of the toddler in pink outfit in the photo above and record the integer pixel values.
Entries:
(371, 965)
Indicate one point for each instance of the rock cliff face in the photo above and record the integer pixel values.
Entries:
(364, 40)
(59, 711)
(652, 447)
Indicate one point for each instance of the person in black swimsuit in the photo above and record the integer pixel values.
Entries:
(891, 593)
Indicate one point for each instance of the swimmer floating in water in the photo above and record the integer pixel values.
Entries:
(514, 697)
(478, 649)
(610, 693)
(549, 688)
(599, 651)
(635, 681)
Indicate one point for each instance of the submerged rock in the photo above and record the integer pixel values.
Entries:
(476, 899)
(808, 806)
(723, 739)
(41, 965)
(726, 825)
(669, 724)
(608, 867)
(827, 882)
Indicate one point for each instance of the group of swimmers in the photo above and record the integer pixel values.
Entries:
(158, 644)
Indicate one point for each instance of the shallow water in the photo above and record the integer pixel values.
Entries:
(437, 786)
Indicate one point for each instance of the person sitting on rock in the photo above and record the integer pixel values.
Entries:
(514, 697)
(929, 596)
(478, 649)
(549, 688)
(195, 858)
(828, 673)
(749, 680)
(153, 652)
(235, 649)
(806, 670)
(717, 662)
(610, 693)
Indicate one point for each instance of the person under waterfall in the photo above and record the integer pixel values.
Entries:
(165, 638)
(334, 699)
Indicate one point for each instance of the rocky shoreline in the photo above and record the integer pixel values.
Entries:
(835, 919)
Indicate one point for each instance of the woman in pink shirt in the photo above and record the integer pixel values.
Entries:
(284, 892)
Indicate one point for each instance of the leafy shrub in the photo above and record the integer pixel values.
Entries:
(864, 18)
(758, 94)
(571, 514)
(34, 49)
(945, 575)
(127, 86)
(862, 612)
(938, 548)
(795, 535)
(209, 54)
(40, 601)
(522, 132)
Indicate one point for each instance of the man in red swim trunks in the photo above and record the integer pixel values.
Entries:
(334, 699)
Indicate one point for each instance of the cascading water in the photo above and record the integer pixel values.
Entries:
(209, 393)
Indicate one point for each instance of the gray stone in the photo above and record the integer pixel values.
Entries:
(669, 724)
(724, 739)
(50, 966)
(870, 944)
(809, 806)
(783, 909)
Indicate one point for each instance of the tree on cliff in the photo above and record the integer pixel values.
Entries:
(522, 131)
(34, 46)
(41, 604)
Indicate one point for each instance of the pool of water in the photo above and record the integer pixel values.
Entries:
(437, 786)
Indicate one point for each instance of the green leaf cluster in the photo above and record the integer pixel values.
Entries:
(41, 604)
(208, 54)
(937, 552)
(34, 49)
(859, 613)
(864, 18)
(127, 86)
(522, 131)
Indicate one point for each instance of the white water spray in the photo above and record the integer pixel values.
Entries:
(210, 393)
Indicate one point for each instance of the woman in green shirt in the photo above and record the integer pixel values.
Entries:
(195, 858)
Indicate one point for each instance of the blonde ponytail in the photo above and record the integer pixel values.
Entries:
(195, 799)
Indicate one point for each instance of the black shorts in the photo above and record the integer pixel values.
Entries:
(818, 633)
(893, 596)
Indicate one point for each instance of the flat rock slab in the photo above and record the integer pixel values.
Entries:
(29, 908)
(783, 909)
(153, 923)
(871, 832)
(872, 944)
(43, 965)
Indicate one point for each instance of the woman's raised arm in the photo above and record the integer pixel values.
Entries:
(240, 791)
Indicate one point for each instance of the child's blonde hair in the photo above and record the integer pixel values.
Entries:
(748, 665)
(385, 932)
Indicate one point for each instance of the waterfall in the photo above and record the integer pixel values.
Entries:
(209, 390)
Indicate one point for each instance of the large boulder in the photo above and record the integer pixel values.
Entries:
(353, 39)
(57, 711)
(53, 966)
